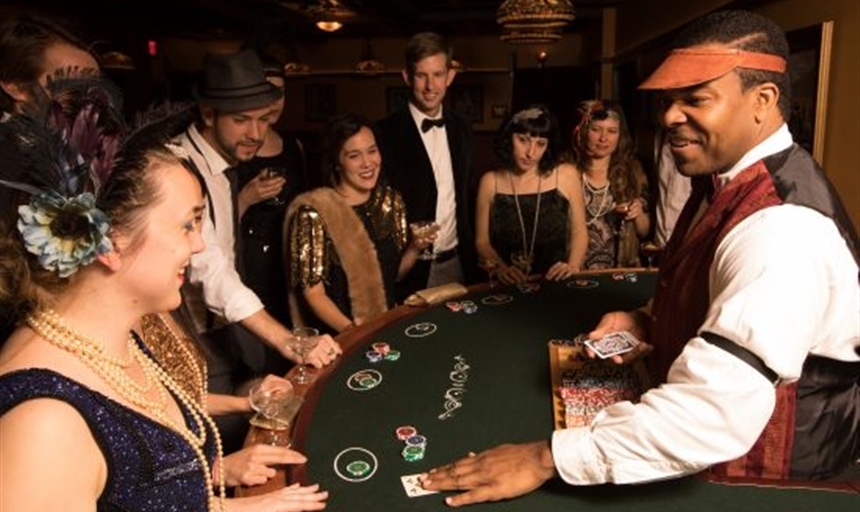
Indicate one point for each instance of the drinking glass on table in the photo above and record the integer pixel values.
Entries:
(424, 229)
(650, 251)
(270, 400)
(305, 339)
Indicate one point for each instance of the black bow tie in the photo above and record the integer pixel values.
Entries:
(427, 124)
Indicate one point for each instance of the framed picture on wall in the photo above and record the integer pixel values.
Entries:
(320, 102)
(809, 67)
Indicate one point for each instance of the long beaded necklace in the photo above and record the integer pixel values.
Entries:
(528, 249)
(605, 200)
(54, 330)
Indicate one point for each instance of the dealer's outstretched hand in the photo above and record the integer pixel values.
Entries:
(503, 472)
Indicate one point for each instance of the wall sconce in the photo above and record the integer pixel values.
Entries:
(329, 25)
(541, 57)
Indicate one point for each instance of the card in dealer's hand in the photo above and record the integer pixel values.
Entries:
(612, 344)
(413, 486)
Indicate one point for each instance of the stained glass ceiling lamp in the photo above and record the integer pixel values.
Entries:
(329, 25)
(533, 21)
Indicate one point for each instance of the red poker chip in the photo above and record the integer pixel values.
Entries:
(405, 432)
(381, 348)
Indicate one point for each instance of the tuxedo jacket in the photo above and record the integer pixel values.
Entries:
(406, 167)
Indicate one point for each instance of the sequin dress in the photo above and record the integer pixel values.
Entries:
(314, 257)
(150, 467)
(552, 242)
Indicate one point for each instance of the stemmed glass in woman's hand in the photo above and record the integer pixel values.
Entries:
(523, 261)
(270, 399)
(491, 267)
(423, 229)
(305, 339)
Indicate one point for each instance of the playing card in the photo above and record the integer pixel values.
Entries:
(612, 344)
(413, 487)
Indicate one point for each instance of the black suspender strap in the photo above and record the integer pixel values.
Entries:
(208, 195)
(743, 354)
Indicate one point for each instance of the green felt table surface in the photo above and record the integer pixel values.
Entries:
(480, 380)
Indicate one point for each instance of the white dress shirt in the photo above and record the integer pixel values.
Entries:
(783, 284)
(213, 271)
(436, 143)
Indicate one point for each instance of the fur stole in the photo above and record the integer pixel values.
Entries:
(355, 249)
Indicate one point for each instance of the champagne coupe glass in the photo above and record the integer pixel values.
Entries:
(305, 339)
(269, 401)
(523, 261)
(422, 229)
(491, 267)
(651, 251)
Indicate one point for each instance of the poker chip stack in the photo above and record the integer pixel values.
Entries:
(414, 443)
(589, 389)
(358, 468)
(466, 306)
(381, 350)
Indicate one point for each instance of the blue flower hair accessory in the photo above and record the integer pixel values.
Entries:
(62, 155)
(64, 233)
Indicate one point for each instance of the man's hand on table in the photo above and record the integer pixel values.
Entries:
(254, 465)
(503, 472)
(634, 322)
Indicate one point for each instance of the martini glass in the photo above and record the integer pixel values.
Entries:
(275, 172)
(305, 339)
(423, 229)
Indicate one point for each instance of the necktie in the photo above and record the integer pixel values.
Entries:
(427, 124)
(233, 178)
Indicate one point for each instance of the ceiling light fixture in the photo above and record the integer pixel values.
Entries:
(534, 21)
(329, 25)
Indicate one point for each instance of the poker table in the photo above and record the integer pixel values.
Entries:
(468, 381)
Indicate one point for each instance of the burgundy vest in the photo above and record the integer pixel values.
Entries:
(682, 298)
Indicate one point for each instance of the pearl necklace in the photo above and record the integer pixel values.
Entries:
(605, 204)
(529, 250)
(55, 331)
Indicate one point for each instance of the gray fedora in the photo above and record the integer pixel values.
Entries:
(234, 82)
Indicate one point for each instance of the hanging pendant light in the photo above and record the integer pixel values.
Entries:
(534, 21)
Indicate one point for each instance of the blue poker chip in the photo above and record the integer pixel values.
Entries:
(373, 356)
(416, 440)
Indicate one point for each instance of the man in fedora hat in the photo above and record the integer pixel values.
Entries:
(235, 106)
(754, 326)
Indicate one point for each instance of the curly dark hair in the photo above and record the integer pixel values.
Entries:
(748, 31)
(535, 120)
